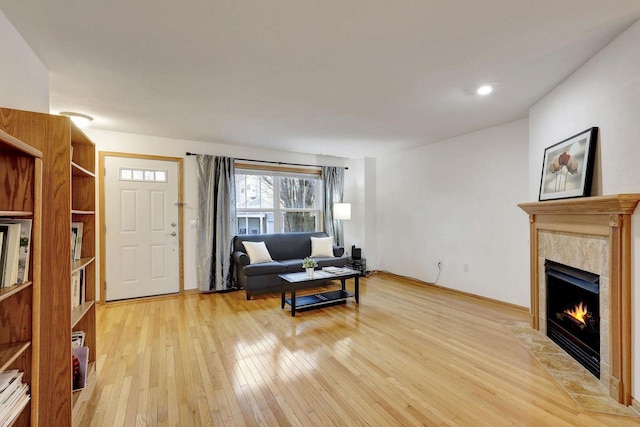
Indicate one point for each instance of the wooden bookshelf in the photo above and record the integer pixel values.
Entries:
(21, 176)
(10, 352)
(68, 195)
(8, 291)
(79, 313)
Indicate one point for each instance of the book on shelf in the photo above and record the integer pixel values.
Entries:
(11, 253)
(80, 360)
(2, 254)
(83, 287)
(17, 408)
(76, 279)
(14, 396)
(78, 291)
(25, 247)
(74, 233)
(6, 378)
(4, 250)
(76, 240)
(14, 384)
(77, 339)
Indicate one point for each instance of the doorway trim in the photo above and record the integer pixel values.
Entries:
(103, 243)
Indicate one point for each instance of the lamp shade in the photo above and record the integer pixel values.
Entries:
(342, 211)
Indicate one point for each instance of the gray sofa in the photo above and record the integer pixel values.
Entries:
(287, 251)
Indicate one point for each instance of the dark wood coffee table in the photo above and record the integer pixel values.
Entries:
(322, 299)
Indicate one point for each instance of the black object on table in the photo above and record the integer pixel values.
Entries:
(359, 264)
(321, 299)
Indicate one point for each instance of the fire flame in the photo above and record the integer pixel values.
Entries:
(579, 312)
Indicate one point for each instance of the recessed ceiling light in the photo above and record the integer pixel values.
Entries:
(484, 90)
(81, 120)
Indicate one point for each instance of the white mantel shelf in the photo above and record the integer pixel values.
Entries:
(606, 216)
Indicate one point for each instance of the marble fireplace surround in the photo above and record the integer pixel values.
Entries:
(593, 234)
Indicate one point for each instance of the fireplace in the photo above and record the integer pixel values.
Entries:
(593, 234)
(573, 313)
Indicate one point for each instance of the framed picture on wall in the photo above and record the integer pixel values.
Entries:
(567, 168)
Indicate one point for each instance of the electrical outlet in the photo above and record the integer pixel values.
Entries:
(465, 267)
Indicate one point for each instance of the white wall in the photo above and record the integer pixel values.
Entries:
(456, 201)
(604, 92)
(24, 80)
(141, 144)
(360, 191)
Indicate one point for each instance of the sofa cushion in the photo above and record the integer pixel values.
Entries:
(258, 252)
(273, 267)
(293, 265)
(332, 262)
(321, 247)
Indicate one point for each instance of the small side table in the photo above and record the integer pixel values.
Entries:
(358, 265)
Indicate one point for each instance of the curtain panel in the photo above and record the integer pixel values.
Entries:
(216, 222)
(333, 181)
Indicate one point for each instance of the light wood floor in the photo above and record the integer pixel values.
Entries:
(407, 355)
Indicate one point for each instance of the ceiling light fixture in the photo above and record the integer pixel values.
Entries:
(484, 90)
(81, 120)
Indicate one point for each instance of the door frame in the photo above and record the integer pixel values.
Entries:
(103, 240)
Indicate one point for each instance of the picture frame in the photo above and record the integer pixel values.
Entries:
(567, 167)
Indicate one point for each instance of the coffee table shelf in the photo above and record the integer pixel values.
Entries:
(320, 299)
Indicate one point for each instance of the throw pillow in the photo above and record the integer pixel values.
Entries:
(322, 247)
(257, 252)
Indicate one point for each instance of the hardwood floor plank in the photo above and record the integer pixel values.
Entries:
(408, 355)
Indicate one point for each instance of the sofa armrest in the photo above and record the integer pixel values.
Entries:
(240, 258)
(338, 251)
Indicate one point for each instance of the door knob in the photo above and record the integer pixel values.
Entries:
(172, 234)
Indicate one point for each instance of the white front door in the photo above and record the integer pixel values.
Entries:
(142, 227)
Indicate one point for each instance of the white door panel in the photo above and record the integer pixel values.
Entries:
(141, 219)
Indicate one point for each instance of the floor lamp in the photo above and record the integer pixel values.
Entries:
(341, 211)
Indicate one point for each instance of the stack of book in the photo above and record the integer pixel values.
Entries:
(336, 270)
(15, 243)
(14, 396)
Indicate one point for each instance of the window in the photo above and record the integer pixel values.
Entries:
(272, 201)
(143, 175)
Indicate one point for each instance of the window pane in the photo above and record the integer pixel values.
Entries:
(265, 185)
(298, 221)
(125, 174)
(254, 191)
(255, 222)
(297, 193)
(241, 191)
(142, 175)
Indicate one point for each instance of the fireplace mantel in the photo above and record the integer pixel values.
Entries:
(623, 204)
(603, 216)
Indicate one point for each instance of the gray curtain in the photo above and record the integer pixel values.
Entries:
(216, 222)
(333, 181)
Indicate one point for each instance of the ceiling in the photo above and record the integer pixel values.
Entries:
(348, 78)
